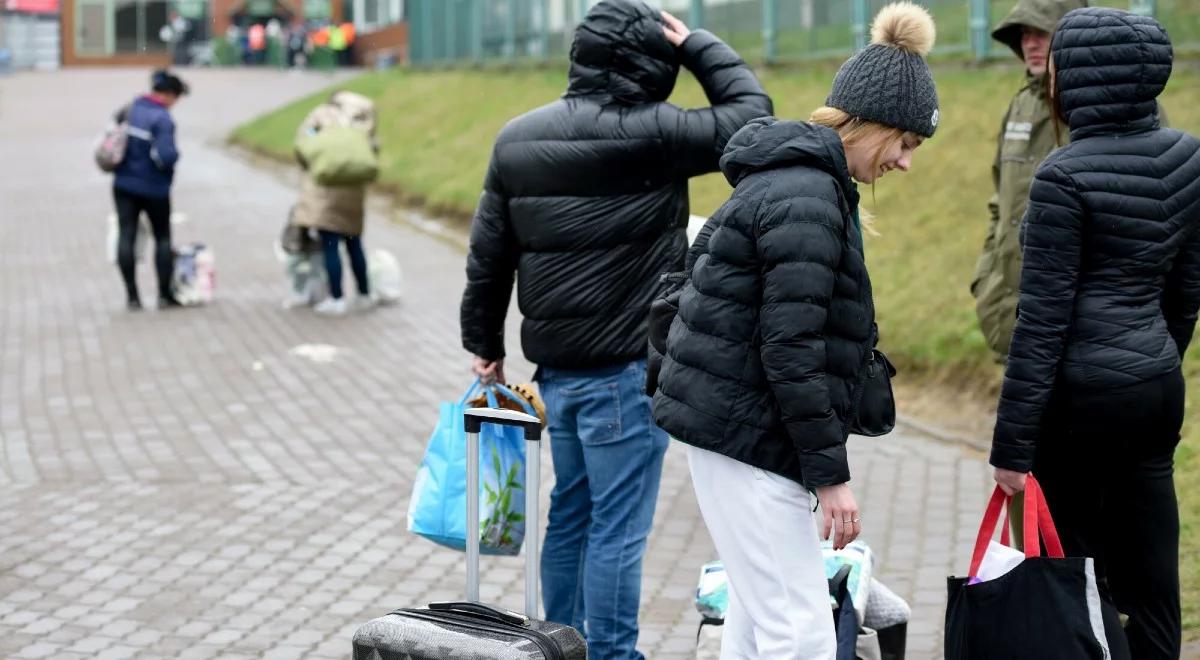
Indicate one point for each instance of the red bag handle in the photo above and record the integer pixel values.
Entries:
(986, 529)
(1054, 548)
(1037, 519)
(1006, 530)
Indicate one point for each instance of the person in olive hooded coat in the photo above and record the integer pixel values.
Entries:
(1027, 136)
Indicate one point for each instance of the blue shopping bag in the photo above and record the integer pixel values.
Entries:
(438, 508)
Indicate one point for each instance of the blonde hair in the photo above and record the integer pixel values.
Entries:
(854, 130)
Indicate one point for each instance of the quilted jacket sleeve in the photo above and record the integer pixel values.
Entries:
(491, 266)
(1049, 280)
(799, 256)
(1181, 297)
(697, 138)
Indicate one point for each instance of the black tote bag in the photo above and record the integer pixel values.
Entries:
(1046, 608)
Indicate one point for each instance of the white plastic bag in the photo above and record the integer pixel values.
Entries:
(306, 279)
(997, 561)
(861, 560)
(113, 236)
(712, 592)
(195, 276)
(884, 608)
(385, 276)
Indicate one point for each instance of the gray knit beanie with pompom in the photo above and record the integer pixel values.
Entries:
(889, 82)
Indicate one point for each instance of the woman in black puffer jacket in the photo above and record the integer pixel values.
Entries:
(1093, 394)
(773, 330)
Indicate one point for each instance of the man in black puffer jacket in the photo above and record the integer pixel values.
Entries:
(1093, 394)
(586, 198)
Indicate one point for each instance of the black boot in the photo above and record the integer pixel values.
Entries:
(133, 304)
(168, 301)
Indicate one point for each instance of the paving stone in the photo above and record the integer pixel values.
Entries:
(117, 653)
(223, 637)
(43, 626)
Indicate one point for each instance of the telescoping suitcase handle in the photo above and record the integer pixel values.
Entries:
(473, 421)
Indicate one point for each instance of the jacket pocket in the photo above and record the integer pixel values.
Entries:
(984, 269)
(598, 413)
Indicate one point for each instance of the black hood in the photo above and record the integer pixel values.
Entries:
(767, 143)
(1110, 66)
(620, 52)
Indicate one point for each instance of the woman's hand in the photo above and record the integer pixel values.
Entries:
(1011, 482)
(840, 513)
(677, 32)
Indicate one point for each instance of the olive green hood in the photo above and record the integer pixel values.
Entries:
(1041, 14)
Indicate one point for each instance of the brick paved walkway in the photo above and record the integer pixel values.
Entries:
(189, 485)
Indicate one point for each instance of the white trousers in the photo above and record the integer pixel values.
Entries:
(766, 533)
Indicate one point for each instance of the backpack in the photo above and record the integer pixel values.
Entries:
(110, 149)
(665, 307)
(339, 156)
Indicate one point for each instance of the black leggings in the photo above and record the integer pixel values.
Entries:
(129, 209)
(1106, 463)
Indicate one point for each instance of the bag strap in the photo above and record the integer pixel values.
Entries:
(1033, 544)
(1054, 548)
(470, 392)
(986, 529)
(513, 396)
(1006, 530)
(1037, 523)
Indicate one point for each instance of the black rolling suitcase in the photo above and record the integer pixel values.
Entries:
(470, 630)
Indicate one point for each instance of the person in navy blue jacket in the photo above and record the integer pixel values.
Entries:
(143, 183)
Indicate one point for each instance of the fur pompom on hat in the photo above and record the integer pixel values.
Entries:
(905, 26)
(889, 82)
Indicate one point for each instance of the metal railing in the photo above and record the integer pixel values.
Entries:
(463, 31)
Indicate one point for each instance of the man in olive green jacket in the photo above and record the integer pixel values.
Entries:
(1027, 136)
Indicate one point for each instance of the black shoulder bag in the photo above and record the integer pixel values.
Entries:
(873, 408)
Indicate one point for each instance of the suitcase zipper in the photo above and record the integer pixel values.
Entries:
(542, 641)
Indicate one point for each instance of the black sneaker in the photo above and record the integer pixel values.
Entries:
(133, 305)
(168, 302)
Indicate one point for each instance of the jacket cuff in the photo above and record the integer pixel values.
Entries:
(693, 47)
(826, 467)
(485, 349)
(1018, 458)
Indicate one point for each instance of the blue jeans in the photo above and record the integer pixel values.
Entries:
(608, 458)
(330, 242)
